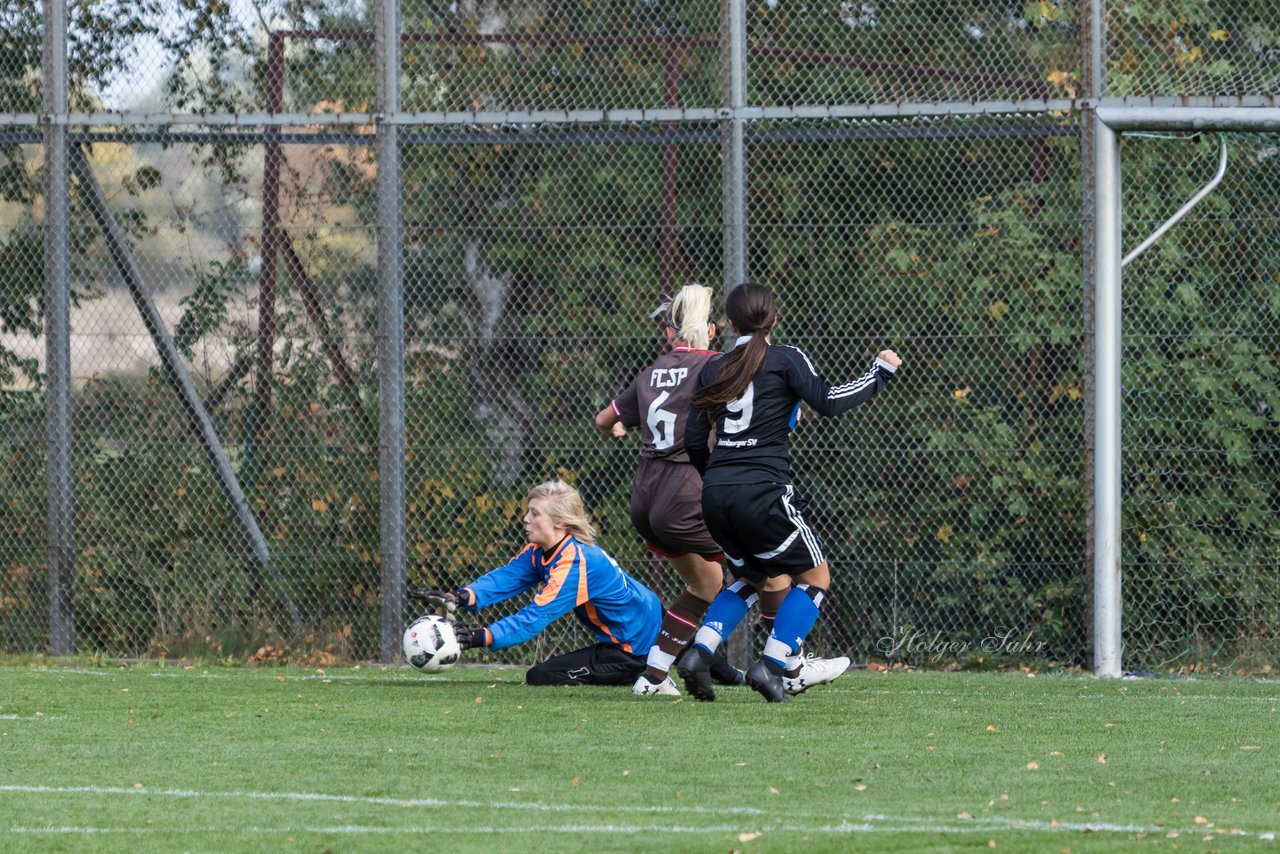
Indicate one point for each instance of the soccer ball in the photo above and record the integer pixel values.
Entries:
(430, 644)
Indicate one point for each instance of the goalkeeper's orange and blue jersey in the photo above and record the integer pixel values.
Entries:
(573, 577)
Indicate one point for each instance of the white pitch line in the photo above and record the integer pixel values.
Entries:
(440, 829)
(30, 717)
(911, 827)
(937, 692)
(995, 822)
(443, 829)
(406, 674)
(357, 799)
(400, 675)
(868, 823)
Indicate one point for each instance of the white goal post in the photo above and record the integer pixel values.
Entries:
(1109, 123)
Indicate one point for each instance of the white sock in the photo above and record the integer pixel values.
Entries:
(660, 660)
(777, 650)
(708, 637)
(795, 660)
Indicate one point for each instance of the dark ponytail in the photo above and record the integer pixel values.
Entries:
(751, 310)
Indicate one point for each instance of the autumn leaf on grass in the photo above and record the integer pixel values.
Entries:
(1102, 759)
(747, 837)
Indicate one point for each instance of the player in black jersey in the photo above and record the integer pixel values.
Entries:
(751, 396)
(666, 497)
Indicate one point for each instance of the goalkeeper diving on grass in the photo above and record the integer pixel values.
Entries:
(567, 573)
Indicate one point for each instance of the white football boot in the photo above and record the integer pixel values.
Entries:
(814, 671)
(645, 688)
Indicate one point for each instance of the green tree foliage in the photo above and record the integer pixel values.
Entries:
(103, 42)
(1182, 47)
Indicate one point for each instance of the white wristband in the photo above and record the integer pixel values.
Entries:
(882, 363)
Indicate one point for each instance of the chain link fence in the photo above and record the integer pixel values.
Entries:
(1201, 338)
(915, 176)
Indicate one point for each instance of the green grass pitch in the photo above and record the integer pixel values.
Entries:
(167, 758)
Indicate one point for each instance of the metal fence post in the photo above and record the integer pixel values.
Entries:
(1093, 55)
(733, 84)
(390, 334)
(57, 268)
(733, 189)
(1106, 452)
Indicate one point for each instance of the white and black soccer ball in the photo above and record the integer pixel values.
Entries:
(430, 644)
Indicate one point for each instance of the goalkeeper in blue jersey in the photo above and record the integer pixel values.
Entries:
(568, 572)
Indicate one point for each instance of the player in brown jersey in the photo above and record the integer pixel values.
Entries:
(666, 498)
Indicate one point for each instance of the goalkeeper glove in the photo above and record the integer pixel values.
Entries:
(470, 637)
(444, 601)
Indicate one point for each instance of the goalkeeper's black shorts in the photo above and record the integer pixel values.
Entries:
(602, 664)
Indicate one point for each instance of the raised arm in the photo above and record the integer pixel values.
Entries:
(830, 400)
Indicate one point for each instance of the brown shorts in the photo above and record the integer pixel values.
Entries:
(666, 508)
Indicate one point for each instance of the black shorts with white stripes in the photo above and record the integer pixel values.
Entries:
(761, 528)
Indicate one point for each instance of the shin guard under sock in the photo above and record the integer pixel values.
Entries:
(796, 616)
(678, 625)
(724, 615)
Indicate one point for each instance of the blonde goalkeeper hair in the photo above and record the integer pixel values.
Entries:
(564, 505)
(690, 316)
